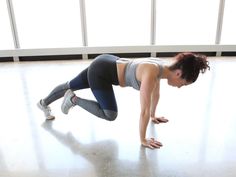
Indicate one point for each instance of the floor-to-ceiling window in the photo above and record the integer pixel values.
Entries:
(48, 23)
(229, 24)
(187, 22)
(118, 23)
(6, 41)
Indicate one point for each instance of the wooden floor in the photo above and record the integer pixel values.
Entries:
(199, 140)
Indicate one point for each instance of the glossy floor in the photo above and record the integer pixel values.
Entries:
(199, 139)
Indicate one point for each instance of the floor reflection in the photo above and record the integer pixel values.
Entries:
(2, 162)
(103, 155)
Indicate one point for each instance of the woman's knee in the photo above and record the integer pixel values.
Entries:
(110, 115)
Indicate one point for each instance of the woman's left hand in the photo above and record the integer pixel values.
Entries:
(158, 120)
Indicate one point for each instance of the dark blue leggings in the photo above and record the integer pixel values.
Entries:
(99, 77)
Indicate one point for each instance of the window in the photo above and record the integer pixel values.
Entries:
(6, 41)
(118, 22)
(48, 23)
(186, 22)
(228, 31)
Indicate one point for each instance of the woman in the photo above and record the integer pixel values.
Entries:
(141, 74)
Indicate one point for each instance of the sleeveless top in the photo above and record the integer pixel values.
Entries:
(130, 71)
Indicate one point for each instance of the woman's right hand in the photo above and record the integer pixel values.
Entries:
(151, 143)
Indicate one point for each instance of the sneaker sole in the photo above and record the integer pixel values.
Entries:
(47, 117)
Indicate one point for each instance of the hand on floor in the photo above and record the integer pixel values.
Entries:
(158, 120)
(152, 143)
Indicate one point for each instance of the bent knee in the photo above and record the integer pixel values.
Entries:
(110, 115)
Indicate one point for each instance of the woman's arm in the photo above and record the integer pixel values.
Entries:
(155, 98)
(154, 101)
(148, 80)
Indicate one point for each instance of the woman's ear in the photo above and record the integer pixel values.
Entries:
(178, 73)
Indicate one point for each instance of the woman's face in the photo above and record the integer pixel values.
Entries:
(175, 79)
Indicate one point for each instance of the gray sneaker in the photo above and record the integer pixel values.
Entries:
(67, 103)
(46, 109)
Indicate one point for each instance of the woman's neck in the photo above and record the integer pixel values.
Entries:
(166, 72)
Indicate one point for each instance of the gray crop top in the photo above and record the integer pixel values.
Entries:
(130, 72)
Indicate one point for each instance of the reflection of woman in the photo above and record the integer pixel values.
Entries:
(104, 156)
(141, 74)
